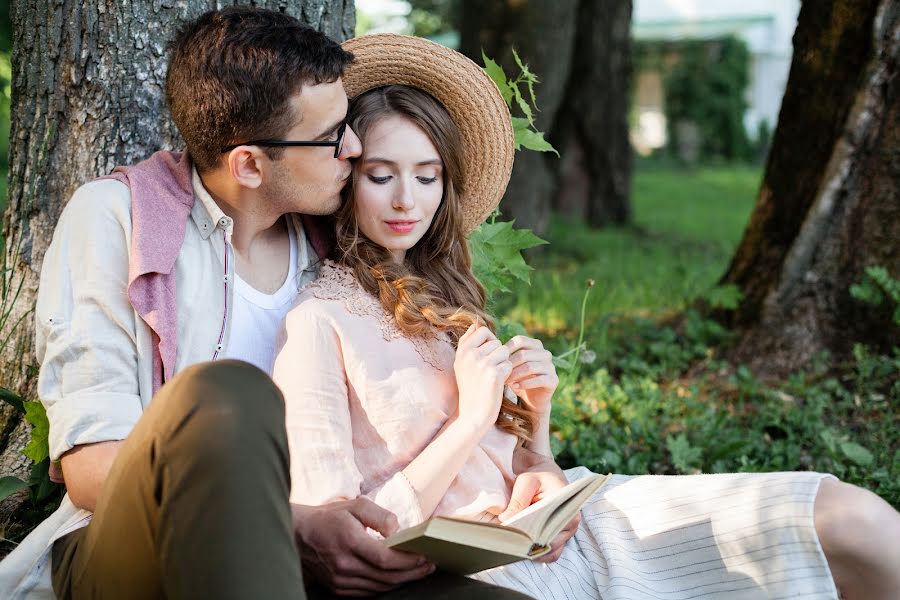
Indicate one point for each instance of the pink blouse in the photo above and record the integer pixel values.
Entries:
(362, 401)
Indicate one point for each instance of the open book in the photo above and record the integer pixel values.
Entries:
(465, 546)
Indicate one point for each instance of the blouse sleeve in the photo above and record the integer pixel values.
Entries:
(309, 369)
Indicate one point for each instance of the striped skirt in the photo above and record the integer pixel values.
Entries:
(741, 536)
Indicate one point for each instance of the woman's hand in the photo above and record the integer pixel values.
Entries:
(481, 366)
(530, 486)
(533, 377)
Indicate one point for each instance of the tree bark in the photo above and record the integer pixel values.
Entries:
(542, 33)
(829, 204)
(591, 130)
(580, 50)
(88, 94)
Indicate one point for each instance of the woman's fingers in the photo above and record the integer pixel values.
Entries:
(522, 370)
(536, 382)
(524, 490)
(562, 538)
(522, 342)
(533, 355)
(475, 337)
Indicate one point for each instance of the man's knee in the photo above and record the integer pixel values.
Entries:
(229, 382)
(224, 403)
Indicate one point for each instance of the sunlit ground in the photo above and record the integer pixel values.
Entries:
(687, 225)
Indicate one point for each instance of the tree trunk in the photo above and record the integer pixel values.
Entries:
(591, 130)
(87, 95)
(829, 205)
(542, 33)
(580, 50)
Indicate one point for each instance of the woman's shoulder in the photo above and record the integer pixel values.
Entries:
(334, 282)
(334, 293)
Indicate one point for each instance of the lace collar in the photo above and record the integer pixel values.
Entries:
(336, 282)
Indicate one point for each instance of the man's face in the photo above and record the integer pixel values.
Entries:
(309, 179)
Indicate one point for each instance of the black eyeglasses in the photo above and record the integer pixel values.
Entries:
(338, 143)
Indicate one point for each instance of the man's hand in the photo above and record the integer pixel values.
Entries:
(541, 479)
(336, 550)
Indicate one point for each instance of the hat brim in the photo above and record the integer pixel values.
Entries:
(465, 90)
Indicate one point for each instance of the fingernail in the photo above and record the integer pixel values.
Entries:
(421, 561)
(432, 569)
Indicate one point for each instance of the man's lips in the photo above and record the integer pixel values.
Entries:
(401, 225)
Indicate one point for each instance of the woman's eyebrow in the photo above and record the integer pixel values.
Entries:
(387, 161)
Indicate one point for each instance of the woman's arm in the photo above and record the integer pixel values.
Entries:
(481, 367)
(534, 380)
(310, 371)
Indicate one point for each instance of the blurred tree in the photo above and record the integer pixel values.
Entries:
(829, 205)
(580, 49)
(87, 96)
(5, 80)
(705, 90)
(433, 17)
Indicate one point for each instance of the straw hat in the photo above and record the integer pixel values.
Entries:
(465, 90)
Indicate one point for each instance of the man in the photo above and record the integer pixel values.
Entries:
(162, 273)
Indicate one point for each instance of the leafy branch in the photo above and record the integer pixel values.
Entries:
(524, 132)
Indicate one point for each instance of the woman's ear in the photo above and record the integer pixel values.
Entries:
(244, 166)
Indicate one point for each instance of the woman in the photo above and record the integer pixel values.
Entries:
(397, 388)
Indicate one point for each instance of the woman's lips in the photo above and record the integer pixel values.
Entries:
(401, 225)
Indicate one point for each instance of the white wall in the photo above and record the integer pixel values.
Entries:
(766, 26)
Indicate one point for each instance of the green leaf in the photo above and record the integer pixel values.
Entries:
(529, 77)
(857, 453)
(685, 457)
(496, 73)
(563, 363)
(519, 125)
(13, 399)
(40, 483)
(497, 254)
(509, 329)
(38, 448)
(534, 140)
(724, 296)
(9, 485)
(522, 104)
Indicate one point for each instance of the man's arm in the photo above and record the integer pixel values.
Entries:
(86, 338)
(85, 469)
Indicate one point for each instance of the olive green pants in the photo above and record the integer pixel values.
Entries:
(196, 503)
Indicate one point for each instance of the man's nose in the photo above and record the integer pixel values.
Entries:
(352, 147)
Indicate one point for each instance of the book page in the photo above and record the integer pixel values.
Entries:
(533, 519)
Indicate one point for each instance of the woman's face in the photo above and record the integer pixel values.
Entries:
(400, 182)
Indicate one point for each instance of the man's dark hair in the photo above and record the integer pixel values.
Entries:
(232, 73)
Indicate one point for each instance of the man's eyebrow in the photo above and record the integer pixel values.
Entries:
(378, 159)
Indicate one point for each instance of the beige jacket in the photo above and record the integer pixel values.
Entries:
(95, 351)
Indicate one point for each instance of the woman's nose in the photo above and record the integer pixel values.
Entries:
(403, 199)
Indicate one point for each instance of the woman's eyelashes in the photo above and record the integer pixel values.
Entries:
(385, 178)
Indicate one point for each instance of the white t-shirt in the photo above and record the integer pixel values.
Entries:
(256, 317)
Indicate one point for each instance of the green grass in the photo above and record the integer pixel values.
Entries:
(653, 395)
(686, 227)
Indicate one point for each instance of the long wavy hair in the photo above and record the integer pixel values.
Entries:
(434, 290)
